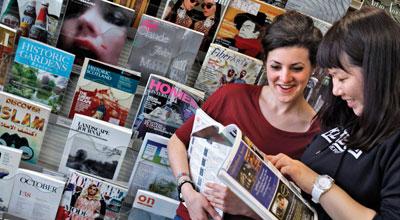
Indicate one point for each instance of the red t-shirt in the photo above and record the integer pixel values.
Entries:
(238, 104)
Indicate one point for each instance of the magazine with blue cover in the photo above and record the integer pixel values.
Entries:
(40, 73)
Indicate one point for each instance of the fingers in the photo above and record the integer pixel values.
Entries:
(275, 158)
(211, 211)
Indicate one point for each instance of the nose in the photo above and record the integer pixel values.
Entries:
(86, 26)
(286, 75)
(336, 88)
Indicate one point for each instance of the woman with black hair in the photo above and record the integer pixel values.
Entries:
(180, 13)
(352, 169)
(208, 25)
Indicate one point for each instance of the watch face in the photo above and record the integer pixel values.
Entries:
(324, 182)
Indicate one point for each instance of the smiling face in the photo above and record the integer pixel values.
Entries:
(288, 71)
(349, 85)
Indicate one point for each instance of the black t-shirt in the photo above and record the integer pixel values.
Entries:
(372, 178)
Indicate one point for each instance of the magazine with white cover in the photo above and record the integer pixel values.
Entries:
(9, 163)
(95, 147)
(88, 197)
(156, 204)
(35, 195)
(152, 171)
(225, 66)
(255, 181)
(165, 106)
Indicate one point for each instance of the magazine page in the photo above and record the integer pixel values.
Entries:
(262, 187)
(89, 197)
(209, 144)
(329, 11)
(152, 171)
(163, 48)
(95, 147)
(40, 73)
(23, 124)
(38, 20)
(156, 204)
(35, 195)
(104, 92)
(225, 66)
(7, 44)
(255, 16)
(95, 29)
(9, 163)
(203, 16)
(165, 106)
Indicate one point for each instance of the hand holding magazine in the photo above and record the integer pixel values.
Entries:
(222, 154)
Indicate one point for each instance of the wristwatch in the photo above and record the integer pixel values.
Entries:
(180, 184)
(321, 185)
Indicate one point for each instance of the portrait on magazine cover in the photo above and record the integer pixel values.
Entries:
(203, 16)
(94, 159)
(95, 30)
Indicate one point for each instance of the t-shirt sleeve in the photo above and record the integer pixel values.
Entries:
(212, 107)
(390, 189)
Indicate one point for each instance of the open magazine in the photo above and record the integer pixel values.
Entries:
(256, 181)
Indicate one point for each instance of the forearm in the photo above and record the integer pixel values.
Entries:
(177, 155)
(339, 205)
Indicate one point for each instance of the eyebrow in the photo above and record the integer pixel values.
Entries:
(290, 64)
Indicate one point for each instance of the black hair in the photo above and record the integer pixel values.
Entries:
(369, 38)
(174, 12)
(293, 29)
(258, 19)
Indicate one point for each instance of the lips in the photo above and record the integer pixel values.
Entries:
(286, 88)
(84, 48)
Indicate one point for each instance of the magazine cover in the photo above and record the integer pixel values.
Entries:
(88, 197)
(9, 163)
(95, 147)
(153, 206)
(224, 66)
(246, 174)
(36, 19)
(7, 44)
(40, 73)
(95, 29)
(329, 11)
(35, 195)
(203, 16)
(163, 48)
(392, 7)
(104, 92)
(244, 25)
(23, 124)
(165, 106)
(152, 171)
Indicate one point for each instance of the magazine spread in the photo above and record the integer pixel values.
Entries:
(38, 20)
(165, 106)
(40, 73)
(154, 203)
(257, 182)
(23, 124)
(224, 66)
(104, 92)
(163, 48)
(202, 16)
(9, 163)
(7, 43)
(96, 29)
(152, 171)
(35, 195)
(95, 147)
(90, 197)
(251, 13)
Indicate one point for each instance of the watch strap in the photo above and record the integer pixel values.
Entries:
(180, 188)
